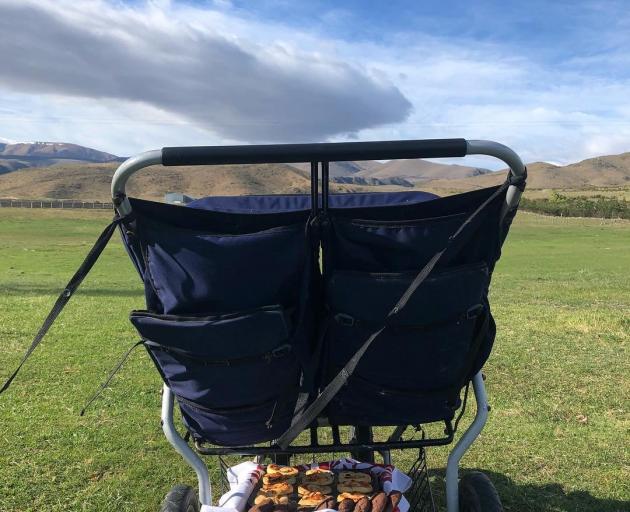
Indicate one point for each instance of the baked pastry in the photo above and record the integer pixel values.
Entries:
(262, 499)
(354, 496)
(380, 502)
(315, 471)
(353, 486)
(363, 505)
(275, 478)
(346, 505)
(306, 488)
(394, 499)
(276, 469)
(354, 475)
(318, 476)
(329, 502)
(290, 506)
(312, 499)
(277, 489)
(267, 507)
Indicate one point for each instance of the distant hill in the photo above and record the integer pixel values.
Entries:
(19, 155)
(372, 182)
(67, 171)
(603, 171)
(418, 171)
(60, 150)
(92, 181)
(341, 169)
(400, 172)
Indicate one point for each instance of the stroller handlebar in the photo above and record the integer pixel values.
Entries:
(319, 152)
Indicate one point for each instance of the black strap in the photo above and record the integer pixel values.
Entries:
(65, 295)
(109, 378)
(342, 377)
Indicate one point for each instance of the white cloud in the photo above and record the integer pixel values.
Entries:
(184, 74)
(236, 89)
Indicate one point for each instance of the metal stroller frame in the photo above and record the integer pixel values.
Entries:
(323, 154)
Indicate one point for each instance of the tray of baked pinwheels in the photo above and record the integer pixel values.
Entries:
(344, 485)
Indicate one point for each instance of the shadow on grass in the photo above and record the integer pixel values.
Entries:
(551, 497)
(56, 290)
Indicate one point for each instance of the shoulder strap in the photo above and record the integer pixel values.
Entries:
(65, 295)
(333, 387)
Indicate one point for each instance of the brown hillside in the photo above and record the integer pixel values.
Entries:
(605, 171)
(337, 169)
(91, 182)
(55, 150)
(420, 171)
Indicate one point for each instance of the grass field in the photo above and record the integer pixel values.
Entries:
(558, 379)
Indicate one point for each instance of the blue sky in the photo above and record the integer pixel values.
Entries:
(551, 79)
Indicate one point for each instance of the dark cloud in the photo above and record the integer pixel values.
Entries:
(244, 93)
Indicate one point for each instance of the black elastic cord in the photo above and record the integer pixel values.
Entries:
(463, 409)
(109, 378)
(65, 295)
(342, 377)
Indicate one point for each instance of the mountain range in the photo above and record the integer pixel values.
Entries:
(67, 171)
(19, 155)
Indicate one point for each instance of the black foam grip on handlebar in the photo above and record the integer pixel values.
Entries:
(321, 152)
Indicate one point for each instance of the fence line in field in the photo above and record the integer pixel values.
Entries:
(55, 203)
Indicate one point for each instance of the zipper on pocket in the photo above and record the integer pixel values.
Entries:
(410, 274)
(141, 313)
(276, 353)
(225, 410)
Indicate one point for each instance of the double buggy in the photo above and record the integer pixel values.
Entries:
(316, 324)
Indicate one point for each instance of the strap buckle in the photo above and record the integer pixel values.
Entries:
(345, 319)
(518, 181)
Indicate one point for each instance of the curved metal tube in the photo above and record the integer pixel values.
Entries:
(127, 169)
(452, 466)
(181, 446)
(514, 162)
(474, 147)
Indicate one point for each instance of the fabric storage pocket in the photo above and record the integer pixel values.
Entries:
(235, 374)
(193, 271)
(424, 349)
(238, 426)
(394, 246)
(363, 402)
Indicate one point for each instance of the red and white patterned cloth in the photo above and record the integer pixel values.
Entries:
(244, 477)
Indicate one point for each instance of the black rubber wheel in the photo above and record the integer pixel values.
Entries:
(477, 494)
(181, 498)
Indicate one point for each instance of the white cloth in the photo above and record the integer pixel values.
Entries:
(244, 477)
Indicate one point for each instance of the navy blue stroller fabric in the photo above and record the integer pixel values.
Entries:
(240, 320)
(415, 369)
(229, 317)
(301, 202)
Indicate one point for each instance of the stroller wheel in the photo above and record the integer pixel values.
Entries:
(477, 494)
(181, 498)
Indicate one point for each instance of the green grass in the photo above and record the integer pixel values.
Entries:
(558, 379)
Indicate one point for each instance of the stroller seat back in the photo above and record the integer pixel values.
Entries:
(267, 313)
